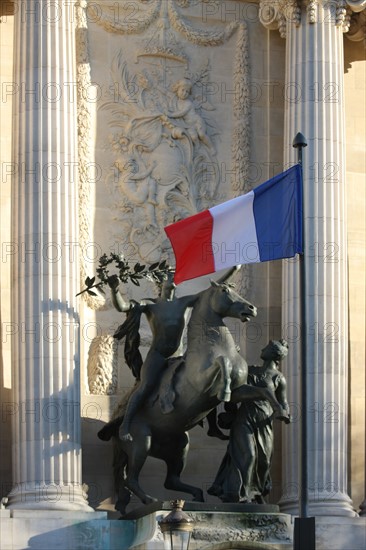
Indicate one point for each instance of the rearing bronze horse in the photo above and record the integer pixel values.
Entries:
(212, 371)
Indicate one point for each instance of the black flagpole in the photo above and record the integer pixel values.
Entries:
(304, 528)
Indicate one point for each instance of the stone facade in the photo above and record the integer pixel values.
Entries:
(142, 113)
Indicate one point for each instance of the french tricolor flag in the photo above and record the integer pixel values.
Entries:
(263, 225)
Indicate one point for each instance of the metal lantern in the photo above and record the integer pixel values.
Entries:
(176, 527)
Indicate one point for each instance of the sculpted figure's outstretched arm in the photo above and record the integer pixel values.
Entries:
(117, 299)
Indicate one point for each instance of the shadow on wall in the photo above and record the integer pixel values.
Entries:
(7, 407)
(95, 534)
(233, 545)
(97, 465)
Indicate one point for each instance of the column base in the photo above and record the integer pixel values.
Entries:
(363, 509)
(339, 505)
(27, 496)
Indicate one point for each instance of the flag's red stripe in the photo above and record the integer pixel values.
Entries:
(192, 244)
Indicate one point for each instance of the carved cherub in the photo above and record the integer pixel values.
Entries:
(138, 186)
(193, 124)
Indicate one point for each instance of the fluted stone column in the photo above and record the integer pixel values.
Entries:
(314, 105)
(46, 408)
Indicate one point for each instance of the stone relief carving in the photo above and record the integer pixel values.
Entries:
(241, 108)
(162, 149)
(168, 133)
(199, 36)
(252, 527)
(169, 121)
(126, 20)
(85, 148)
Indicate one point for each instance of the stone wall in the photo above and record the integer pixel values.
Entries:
(355, 80)
(6, 329)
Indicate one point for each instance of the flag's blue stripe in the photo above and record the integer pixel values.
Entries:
(277, 210)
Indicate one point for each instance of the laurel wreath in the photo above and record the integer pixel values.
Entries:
(156, 272)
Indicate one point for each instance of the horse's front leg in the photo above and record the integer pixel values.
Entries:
(137, 452)
(224, 369)
(247, 393)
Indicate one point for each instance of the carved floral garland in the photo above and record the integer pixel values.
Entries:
(131, 25)
(84, 144)
(240, 139)
(201, 37)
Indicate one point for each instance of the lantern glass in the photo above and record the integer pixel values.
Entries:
(176, 527)
(176, 540)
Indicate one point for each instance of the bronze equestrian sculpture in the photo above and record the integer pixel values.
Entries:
(211, 371)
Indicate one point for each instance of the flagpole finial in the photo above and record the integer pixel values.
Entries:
(299, 142)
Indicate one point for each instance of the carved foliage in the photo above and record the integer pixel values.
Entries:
(276, 15)
(85, 152)
(129, 21)
(103, 365)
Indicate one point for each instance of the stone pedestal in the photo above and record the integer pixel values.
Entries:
(214, 530)
(223, 524)
(43, 530)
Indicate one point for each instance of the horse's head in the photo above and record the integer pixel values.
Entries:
(227, 303)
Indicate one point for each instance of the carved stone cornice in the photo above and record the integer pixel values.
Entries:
(348, 14)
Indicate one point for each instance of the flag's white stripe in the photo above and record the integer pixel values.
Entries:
(234, 237)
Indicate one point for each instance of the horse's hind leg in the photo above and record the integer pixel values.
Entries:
(175, 456)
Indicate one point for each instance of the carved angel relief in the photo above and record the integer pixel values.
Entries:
(162, 147)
